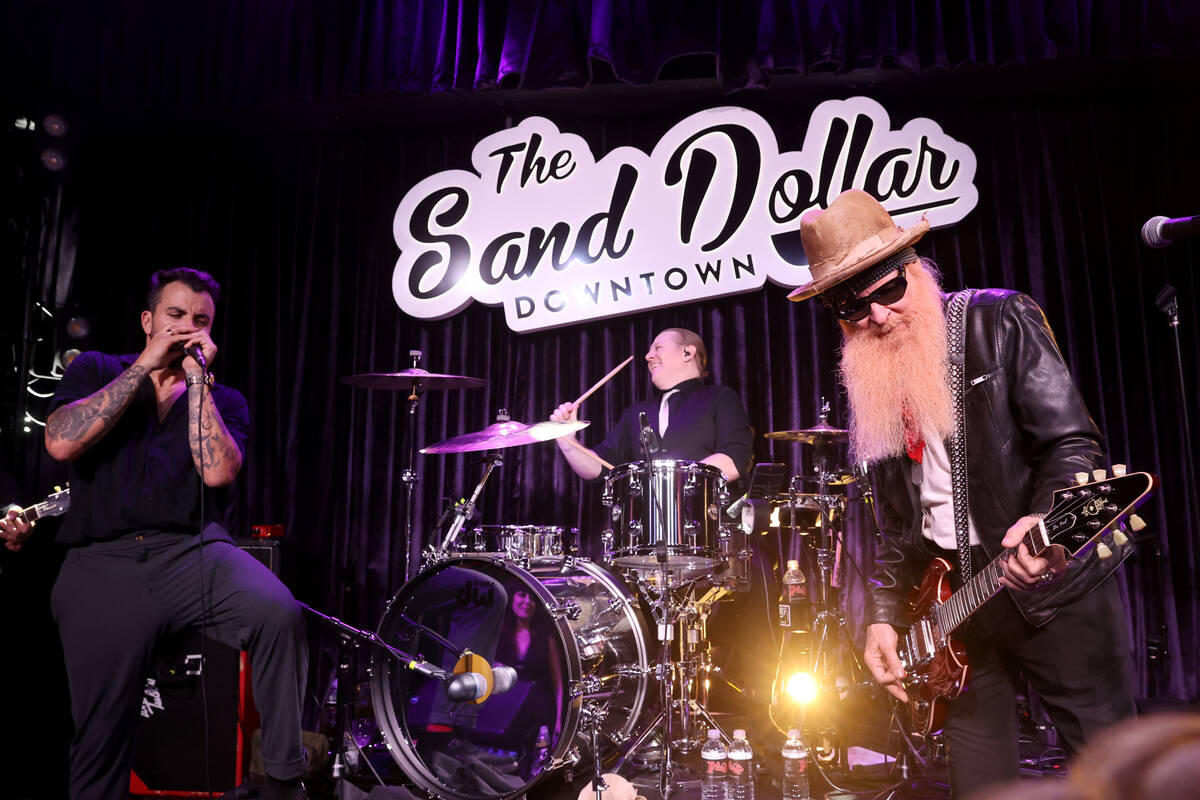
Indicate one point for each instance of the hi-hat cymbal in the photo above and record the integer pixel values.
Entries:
(414, 377)
(818, 434)
(506, 434)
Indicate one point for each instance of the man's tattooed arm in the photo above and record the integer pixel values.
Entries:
(72, 429)
(214, 452)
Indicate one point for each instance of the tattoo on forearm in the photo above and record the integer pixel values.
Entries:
(212, 447)
(77, 422)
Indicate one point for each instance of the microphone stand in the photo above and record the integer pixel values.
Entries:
(1168, 303)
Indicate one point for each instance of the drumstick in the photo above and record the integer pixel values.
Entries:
(601, 382)
(589, 453)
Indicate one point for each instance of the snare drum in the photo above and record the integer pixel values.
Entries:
(676, 501)
(520, 541)
(587, 663)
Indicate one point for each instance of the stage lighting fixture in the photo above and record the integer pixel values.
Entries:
(78, 327)
(801, 688)
(53, 159)
(54, 125)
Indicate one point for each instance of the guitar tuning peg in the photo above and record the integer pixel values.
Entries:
(1119, 538)
(1081, 478)
(1118, 470)
(1136, 523)
(1099, 474)
(1103, 550)
(58, 488)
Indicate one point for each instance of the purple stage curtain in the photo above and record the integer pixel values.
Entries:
(224, 53)
(297, 226)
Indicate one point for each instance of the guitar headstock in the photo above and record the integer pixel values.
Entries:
(54, 505)
(1091, 514)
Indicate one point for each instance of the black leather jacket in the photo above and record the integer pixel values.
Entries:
(1028, 433)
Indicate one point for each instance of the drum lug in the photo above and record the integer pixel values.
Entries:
(585, 686)
(567, 566)
(607, 538)
(568, 608)
(633, 671)
(432, 555)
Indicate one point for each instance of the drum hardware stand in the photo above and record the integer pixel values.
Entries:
(463, 511)
(409, 475)
(592, 719)
(671, 614)
(349, 640)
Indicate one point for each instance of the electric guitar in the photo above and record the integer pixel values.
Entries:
(53, 506)
(1085, 517)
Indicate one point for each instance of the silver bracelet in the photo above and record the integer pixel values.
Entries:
(207, 379)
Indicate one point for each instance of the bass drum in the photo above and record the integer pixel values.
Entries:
(578, 642)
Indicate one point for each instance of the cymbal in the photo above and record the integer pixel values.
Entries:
(818, 434)
(506, 434)
(406, 379)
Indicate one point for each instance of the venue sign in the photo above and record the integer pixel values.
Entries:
(557, 236)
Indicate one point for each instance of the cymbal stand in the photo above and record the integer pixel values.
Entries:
(829, 633)
(409, 474)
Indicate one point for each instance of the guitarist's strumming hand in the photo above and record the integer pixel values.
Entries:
(1021, 569)
(14, 530)
(883, 659)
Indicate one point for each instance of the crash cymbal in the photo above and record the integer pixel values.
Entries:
(818, 434)
(406, 379)
(506, 434)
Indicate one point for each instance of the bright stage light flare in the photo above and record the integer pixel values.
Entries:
(801, 688)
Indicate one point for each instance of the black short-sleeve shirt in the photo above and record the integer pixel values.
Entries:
(140, 476)
(703, 420)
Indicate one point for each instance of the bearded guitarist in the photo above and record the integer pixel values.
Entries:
(964, 404)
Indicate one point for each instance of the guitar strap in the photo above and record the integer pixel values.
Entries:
(956, 445)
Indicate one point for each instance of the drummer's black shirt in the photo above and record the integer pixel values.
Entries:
(140, 477)
(703, 420)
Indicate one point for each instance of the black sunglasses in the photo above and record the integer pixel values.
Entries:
(857, 308)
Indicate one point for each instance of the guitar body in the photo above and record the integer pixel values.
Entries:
(933, 684)
(1087, 518)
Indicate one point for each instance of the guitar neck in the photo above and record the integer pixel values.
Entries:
(983, 586)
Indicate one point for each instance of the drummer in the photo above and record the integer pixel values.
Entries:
(694, 421)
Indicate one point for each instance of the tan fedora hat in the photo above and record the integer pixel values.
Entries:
(854, 233)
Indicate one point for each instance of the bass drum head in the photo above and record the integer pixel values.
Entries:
(576, 639)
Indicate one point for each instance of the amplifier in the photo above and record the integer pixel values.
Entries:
(169, 757)
(265, 550)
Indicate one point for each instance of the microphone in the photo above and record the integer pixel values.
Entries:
(195, 352)
(649, 438)
(469, 686)
(1161, 231)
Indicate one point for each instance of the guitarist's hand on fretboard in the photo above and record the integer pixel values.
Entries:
(1020, 570)
(883, 659)
(14, 530)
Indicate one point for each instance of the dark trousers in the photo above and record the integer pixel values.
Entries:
(1078, 663)
(114, 601)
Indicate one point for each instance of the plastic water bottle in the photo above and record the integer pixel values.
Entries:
(795, 768)
(794, 609)
(741, 768)
(713, 783)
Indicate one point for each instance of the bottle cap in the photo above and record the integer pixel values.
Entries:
(714, 734)
(793, 733)
(739, 734)
(793, 564)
